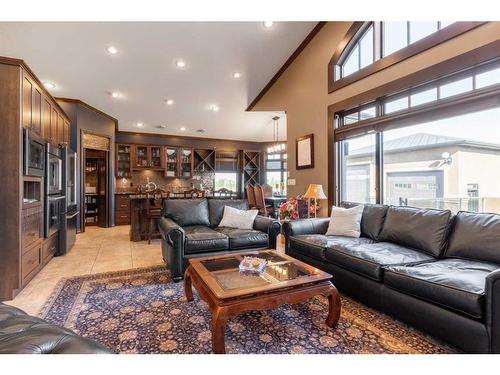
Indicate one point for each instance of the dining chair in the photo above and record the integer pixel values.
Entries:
(266, 210)
(154, 202)
(251, 196)
(268, 190)
(194, 193)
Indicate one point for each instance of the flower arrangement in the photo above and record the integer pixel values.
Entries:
(290, 210)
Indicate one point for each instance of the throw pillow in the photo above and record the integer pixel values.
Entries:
(240, 219)
(345, 221)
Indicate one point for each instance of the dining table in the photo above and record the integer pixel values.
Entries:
(275, 201)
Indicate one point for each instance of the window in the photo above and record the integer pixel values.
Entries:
(376, 40)
(441, 171)
(358, 169)
(483, 77)
(360, 54)
(432, 164)
(276, 172)
(226, 180)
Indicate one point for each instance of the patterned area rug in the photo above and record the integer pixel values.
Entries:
(143, 311)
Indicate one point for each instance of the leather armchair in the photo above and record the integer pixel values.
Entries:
(492, 292)
(21, 333)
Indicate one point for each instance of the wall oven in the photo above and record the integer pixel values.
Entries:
(33, 154)
(54, 170)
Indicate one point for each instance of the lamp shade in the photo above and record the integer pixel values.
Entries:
(315, 191)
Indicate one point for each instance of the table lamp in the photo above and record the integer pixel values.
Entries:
(314, 191)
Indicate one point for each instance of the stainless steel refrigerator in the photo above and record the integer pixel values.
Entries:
(67, 236)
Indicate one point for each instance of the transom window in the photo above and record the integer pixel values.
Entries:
(379, 39)
(462, 83)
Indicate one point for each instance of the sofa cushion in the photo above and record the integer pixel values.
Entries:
(187, 212)
(201, 239)
(244, 238)
(345, 222)
(315, 245)
(372, 219)
(475, 236)
(216, 208)
(453, 283)
(369, 259)
(420, 229)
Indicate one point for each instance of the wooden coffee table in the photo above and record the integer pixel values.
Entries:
(228, 292)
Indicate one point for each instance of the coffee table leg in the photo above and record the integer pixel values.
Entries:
(219, 319)
(334, 308)
(188, 289)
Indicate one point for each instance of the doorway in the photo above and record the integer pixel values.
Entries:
(95, 188)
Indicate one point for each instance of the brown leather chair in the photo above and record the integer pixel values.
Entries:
(194, 193)
(153, 208)
(251, 196)
(223, 193)
(261, 202)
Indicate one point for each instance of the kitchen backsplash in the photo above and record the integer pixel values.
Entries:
(174, 185)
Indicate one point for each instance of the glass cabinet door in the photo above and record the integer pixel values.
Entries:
(141, 157)
(123, 161)
(155, 156)
(171, 162)
(186, 162)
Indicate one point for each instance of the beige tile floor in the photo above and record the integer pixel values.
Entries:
(97, 250)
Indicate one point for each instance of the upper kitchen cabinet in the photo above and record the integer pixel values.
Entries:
(41, 114)
(147, 157)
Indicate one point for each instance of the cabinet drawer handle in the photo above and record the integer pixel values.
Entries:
(124, 205)
(124, 216)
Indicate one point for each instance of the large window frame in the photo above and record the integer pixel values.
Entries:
(476, 99)
(358, 29)
(281, 158)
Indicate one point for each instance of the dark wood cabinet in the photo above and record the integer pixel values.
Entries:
(147, 157)
(67, 132)
(122, 209)
(60, 130)
(123, 161)
(46, 113)
(31, 261)
(50, 247)
(27, 102)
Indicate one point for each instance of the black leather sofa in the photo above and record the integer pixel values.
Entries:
(24, 334)
(436, 271)
(189, 228)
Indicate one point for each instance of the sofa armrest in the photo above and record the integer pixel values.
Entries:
(304, 226)
(493, 309)
(171, 231)
(270, 226)
(172, 246)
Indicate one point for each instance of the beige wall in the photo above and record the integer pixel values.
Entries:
(302, 91)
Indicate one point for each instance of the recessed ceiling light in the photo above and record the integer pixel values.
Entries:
(268, 24)
(140, 124)
(182, 128)
(169, 101)
(49, 85)
(180, 63)
(215, 108)
(115, 94)
(236, 75)
(111, 50)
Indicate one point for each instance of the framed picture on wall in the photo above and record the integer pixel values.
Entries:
(304, 147)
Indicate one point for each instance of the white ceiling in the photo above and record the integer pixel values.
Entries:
(74, 57)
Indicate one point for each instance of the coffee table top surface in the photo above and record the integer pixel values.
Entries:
(222, 276)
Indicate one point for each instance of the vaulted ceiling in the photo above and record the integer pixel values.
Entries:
(144, 71)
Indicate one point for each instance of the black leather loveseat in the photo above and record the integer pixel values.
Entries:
(434, 270)
(189, 228)
(24, 334)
